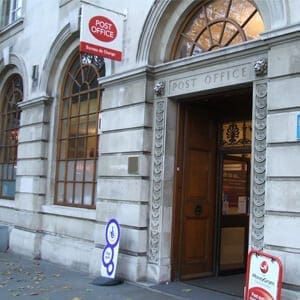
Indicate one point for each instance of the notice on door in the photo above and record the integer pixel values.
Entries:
(264, 277)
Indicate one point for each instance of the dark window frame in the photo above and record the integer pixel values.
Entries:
(78, 137)
(9, 133)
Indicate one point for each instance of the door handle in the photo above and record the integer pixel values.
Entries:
(198, 210)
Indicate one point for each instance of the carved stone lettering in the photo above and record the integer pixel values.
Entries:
(226, 75)
(210, 80)
(183, 84)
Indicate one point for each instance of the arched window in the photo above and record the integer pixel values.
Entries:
(77, 143)
(9, 131)
(216, 24)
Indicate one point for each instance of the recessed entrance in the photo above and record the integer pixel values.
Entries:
(211, 208)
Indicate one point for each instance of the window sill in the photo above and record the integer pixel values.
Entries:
(11, 29)
(78, 213)
(7, 203)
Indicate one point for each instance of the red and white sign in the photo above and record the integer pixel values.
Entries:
(264, 277)
(101, 32)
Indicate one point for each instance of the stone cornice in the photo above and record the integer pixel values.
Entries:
(42, 100)
(133, 74)
(282, 35)
(251, 49)
(258, 49)
(11, 30)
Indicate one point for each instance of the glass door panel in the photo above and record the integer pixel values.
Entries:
(235, 186)
(234, 216)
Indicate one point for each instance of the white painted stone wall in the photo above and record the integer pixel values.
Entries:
(74, 236)
(282, 218)
(125, 133)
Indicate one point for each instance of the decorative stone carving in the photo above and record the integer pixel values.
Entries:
(259, 170)
(261, 67)
(157, 182)
(259, 174)
(159, 88)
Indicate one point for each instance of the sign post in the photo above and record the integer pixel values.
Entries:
(264, 277)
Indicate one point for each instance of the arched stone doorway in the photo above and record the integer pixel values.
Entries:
(184, 82)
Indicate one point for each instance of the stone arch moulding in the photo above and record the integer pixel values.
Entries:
(164, 18)
(60, 52)
(149, 28)
(15, 65)
(161, 20)
(57, 51)
(274, 13)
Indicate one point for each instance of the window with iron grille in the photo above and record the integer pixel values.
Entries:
(215, 24)
(9, 131)
(78, 140)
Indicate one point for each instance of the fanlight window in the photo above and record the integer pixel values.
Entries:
(77, 150)
(216, 24)
(9, 132)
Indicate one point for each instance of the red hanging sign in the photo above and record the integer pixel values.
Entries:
(101, 32)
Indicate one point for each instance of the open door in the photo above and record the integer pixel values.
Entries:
(210, 232)
(196, 191)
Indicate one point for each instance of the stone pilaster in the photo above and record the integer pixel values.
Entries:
(259, 165)
(156, 269)
(31, 174)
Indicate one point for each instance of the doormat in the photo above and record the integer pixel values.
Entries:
(231, 285)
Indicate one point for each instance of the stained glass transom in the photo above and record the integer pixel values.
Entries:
(236, 134)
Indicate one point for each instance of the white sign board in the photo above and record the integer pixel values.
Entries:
(111, 250)
(264, 277)
(101, 32)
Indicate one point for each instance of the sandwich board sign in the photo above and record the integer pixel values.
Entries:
(111, 250)
(264, 276)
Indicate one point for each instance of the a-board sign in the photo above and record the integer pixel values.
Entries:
(263, 277)
(111, 250)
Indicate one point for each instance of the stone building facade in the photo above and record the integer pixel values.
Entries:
(183, 62)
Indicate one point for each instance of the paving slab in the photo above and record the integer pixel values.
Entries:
(25, 278)
(188, 291)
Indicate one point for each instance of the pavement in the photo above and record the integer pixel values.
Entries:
(25, 278)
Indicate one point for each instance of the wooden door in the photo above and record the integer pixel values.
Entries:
(197, 193)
